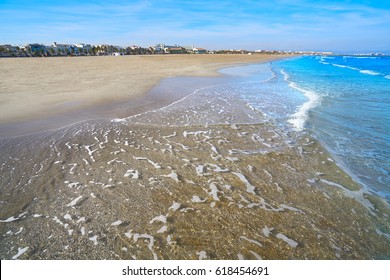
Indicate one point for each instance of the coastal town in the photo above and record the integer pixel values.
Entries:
(82, 49)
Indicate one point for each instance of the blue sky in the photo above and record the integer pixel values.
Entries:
(213, 24)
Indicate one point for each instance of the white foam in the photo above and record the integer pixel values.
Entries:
(381, 233)
(202, 255)
(94, 240)
(233, 159)
(357, 195)
(339, 65)
(162, 229)
(117, 120)
(173, 175)
(90, 152)
(134, 174)
(156, 165)
(72, 185)
(345, 66)
(160, 218)
(117, 223)
(200, 170)
(289, 241)
(111, 161)
(214, 149)
(387, 77)
(267, 231)
(137, 236)
(82, 219)
(249, 187)
(19, 231)
(214, 191)
(21, 251)
(257, 256)
(75, 201)
(68, 217)
(10, 219)
(175, 206)
(217, 168)
(299, 119)
(71, 171)
(370, 72)
(288, 207)
(252, 241)
(58, 221)
(195, 133)
(197, 199)
(363, 71)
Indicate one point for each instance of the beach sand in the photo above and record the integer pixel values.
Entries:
(205, 178)
(44, 93)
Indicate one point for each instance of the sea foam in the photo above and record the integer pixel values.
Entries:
(370, 72)
(299, 118)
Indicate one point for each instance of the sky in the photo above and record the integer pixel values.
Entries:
(344, 25)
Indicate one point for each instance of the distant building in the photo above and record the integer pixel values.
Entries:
(64, 49)
(37, 48)
(158, 48)
(199, 50)
(189, 49)
(83, 48)
(165, 49)
(173, 50)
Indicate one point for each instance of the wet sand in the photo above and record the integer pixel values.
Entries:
(204, 178)
(38, 94)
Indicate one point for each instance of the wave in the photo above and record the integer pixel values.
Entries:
(370, 72)
(300, 117)
(363, 71)
(344, 66)
(360, 57)
(387, 77)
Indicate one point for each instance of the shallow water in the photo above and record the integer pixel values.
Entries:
(348, 110)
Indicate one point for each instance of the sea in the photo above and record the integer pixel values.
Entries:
(342, 101)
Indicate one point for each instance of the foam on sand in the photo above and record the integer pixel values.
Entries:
(249, 187)
(21, 251)
(289, 241)
(75, 201)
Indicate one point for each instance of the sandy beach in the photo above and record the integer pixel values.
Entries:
(207, 177)
(47, 93)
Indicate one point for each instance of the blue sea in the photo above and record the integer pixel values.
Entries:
(343, 101)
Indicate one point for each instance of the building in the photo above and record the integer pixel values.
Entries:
(189, 49)
(83, 48)
(64, 49)
(37, 49)
(173, 50)
(165, 49)
(199, 50)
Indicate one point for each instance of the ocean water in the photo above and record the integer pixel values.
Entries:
(343, 101)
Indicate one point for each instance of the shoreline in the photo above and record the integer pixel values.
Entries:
(63, 91)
